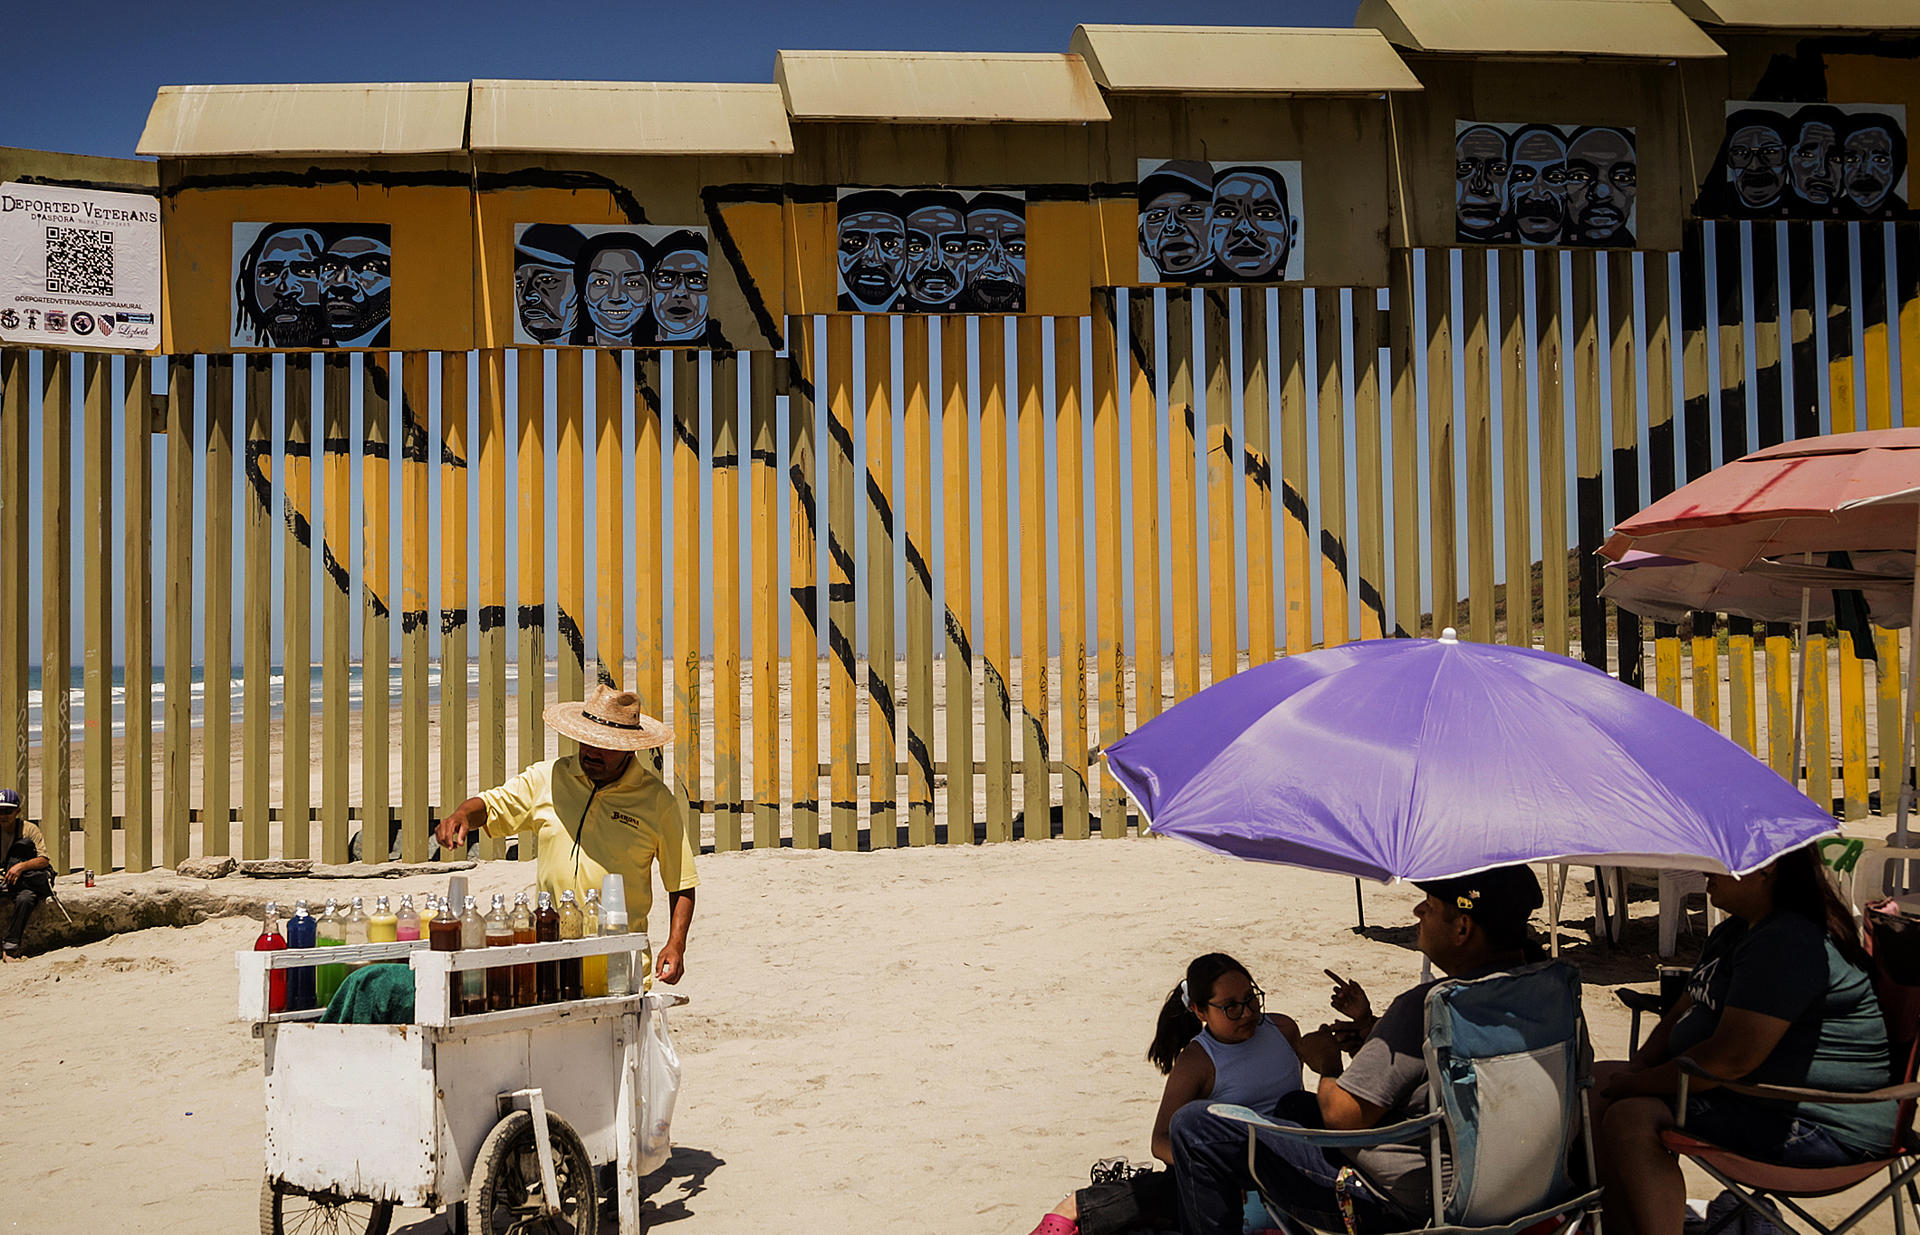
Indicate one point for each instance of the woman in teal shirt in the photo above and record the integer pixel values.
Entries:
(1780, 997)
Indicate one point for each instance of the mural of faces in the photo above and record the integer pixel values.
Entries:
(1218, 222)
(610, 286)
(932, 251)
(1810, 161)
(312, 285)
(1545, 184)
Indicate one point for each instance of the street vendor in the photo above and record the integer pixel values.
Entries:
(599, 812)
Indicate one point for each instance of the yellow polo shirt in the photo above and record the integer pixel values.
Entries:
(588, 831)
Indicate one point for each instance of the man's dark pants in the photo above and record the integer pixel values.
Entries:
(1210, 1166)
(26, 896)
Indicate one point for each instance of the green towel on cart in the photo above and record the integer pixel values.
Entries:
(375, 995)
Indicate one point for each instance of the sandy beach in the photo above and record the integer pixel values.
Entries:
(941, 1037)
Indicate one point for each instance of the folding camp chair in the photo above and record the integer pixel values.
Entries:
(1507, 1065)
(1896, 968)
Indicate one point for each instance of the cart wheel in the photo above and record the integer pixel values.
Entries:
(505, 1195)
(289, 1211)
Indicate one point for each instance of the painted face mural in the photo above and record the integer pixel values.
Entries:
(996, 254)
(1176, 219)
(1542, 184)
(1815, 162)
(932, 251)
(1809, 161)
(285, 287)
(936, 270)
(1537, 184)
(1756, 164)
(1252, 228)
(1602, 175)
(680, 289)
(1480, 182)
(356, 282)
(612, 285)
(1869, 162)
(612, 274)
(873, 250)
(543, 291)
(311, 285)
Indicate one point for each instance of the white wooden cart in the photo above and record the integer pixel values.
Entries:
(502, 1116)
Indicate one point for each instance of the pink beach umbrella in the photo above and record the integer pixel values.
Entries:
(1857, 492)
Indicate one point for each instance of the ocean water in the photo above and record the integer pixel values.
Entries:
(276, 693)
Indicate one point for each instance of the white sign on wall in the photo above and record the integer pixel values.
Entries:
(79, 268)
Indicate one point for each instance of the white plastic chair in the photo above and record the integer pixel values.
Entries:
(1675, 887)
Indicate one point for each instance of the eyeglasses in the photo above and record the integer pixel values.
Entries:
(1234, 1009)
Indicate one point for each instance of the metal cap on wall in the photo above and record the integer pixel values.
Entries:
(1553, 29)
(630, 117)
(392, 118)
(938, 87)
(1254, 61)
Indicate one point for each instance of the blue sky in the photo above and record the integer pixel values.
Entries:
(82, 76)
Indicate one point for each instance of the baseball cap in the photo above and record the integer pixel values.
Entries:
(1503, 895)
(9, 799)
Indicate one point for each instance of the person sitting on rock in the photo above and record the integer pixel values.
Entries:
(26, 873)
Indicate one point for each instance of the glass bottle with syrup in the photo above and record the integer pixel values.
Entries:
(572, 926)
(499, 935)
(593, 969)
(526, 982)
(271, 940)
(300, 934)
(473, 934)
(546, 929)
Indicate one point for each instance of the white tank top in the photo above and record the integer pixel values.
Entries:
(1256, 1073)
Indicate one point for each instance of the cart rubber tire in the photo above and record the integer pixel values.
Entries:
(509, 1166)
(289, 1211)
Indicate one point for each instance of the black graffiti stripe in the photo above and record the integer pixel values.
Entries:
(712, 199)
(842, 435)
(843, 560)
(254, 449)
(1037, 727)
(335, 571)
(686, 433)
(1258, 469)
(803, 490)
(1141, 356)
(452, 620)
(840, 646)
(412, 620)
(313, 176)
(922, 759)
(997, 693)
(297, 524)
(374, 448)
(882, 696)
(644, 390)
(571, 635)
(769, 457)
(378, 604)
(917, 563)
(1294, 503)
(957, 640)
(1332, 549)
(533, 617)
(572, 181)
(492, 617)
(729, 459)
(807, 598)
(413, 420)
(881, 506)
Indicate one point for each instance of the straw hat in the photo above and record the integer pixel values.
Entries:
(609, 719)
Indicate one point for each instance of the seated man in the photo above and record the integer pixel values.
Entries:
(1469, 926)
(26, 873)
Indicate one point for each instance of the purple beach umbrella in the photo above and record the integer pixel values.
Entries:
(1424, 758)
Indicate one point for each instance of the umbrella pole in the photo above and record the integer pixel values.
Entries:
(1359, 904)
(1906, 735)
(1800, 686)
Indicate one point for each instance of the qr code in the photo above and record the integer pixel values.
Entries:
(79, 262)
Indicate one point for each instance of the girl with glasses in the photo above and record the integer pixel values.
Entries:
(1214, 1042)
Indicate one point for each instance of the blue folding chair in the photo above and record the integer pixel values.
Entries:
(1507, 1065)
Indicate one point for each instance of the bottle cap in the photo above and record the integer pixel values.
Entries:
(300, 906)
(472, 905)
(457, 889)
(273, 909)
(593, 896)
(499, 900)
(566, 897)
(546, 900)
(613, 894)
(519, 898)
(380, 904)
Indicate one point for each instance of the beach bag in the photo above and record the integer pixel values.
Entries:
(659, 1087)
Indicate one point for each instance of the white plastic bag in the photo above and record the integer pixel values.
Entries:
(659, 1087)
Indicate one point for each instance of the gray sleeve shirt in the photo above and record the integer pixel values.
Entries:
(1390, 1071)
